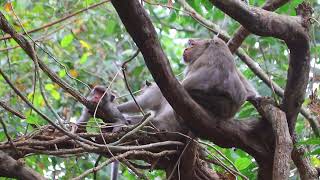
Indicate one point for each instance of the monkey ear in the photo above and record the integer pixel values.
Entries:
(112, 97)
(148, 83)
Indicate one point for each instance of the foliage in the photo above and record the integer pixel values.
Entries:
(92, 46)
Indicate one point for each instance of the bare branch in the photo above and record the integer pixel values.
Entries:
(11, 110)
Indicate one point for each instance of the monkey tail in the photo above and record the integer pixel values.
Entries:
(114, 170)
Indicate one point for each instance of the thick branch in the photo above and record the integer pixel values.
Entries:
(139, 26)
(11, 110)
(241, 34)
(277, 89)
(306, 171)
(15, 169)
(283, 142)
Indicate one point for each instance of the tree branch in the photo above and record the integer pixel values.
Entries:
(11, 168)
(270, 5)
(235, 42)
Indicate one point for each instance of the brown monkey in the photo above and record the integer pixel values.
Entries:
(111, 113)
(212, 79)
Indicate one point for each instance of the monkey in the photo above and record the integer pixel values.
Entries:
(111, 113)
(212, 79)
(163, 116)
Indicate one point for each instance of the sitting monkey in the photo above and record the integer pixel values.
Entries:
(213, 80)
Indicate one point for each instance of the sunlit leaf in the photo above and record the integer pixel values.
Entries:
(8, 6)
(85, 44)
(242, 163)
(55, 94)
(32, 119)
(49, 87)
(62, 73)
(84, 57)
(315, 161)
(66, 40)
(74, 73)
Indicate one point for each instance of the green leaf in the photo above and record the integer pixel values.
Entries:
(242, 163)
(111, 25)
(62, 73)
(55, 94)
(137, 71)
(92, 126)
(84, 57)
(66, 40)
(315, 152)
(208, 5)
(49, 87)
(310, 141)
(32, 119)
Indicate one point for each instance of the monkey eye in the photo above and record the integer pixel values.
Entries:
(191, 42)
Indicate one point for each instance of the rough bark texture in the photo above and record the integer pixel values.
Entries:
(283, 142)
(15, 169)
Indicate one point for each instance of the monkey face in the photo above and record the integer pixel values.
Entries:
(99, 92)
(194, 50)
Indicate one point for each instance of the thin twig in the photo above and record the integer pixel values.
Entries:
(126, 81)
(143, 122)
(11, 110)
(121, 156)
(61, 19)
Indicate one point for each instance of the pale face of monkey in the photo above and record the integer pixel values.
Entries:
(194, 50)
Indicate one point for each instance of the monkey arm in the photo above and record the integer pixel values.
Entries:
(251, 91)
(84, 117)
(148, 100)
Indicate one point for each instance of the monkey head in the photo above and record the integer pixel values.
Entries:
(195, 49)
(97, 93)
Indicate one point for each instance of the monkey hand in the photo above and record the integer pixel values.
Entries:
(75, 128)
